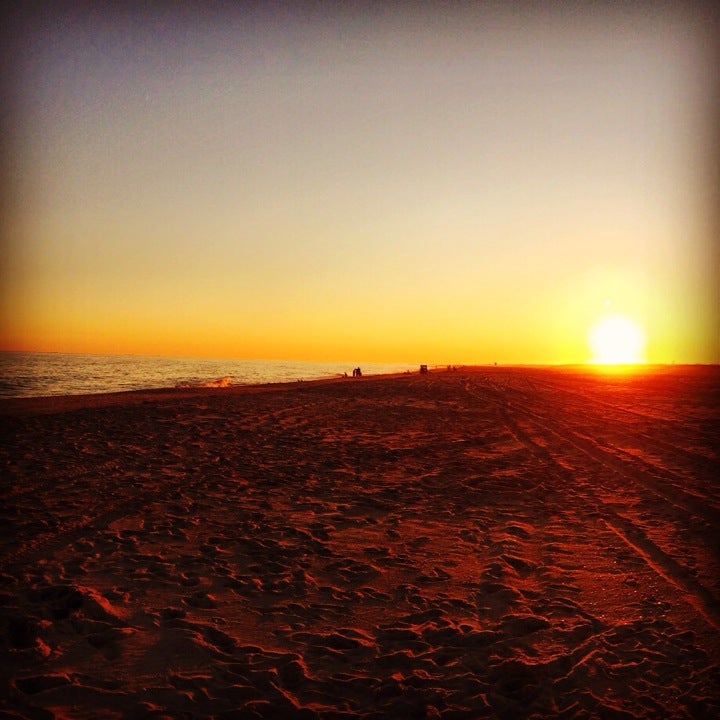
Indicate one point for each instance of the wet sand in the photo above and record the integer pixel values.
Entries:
(488, 542)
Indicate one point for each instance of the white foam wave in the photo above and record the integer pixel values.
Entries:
(222, 382)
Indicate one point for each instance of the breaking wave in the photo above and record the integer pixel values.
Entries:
(222, 382)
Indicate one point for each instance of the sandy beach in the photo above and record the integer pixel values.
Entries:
(484, 542)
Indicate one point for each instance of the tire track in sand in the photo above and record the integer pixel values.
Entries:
(653, 477)
(662, 564)
(582, 402)
(626, 464)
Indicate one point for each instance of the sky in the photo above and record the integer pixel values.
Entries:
(392, 182)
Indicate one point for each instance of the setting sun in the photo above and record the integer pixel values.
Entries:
(616, 340)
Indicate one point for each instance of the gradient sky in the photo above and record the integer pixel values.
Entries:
(389, 182)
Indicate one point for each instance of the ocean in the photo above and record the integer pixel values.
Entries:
(29, 374)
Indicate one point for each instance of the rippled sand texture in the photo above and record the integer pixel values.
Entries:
(497, 542)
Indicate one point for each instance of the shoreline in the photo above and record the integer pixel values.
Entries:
(62, 403)
(38, 375)
(10, 406)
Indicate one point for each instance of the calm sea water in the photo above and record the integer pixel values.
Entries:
(35, 374)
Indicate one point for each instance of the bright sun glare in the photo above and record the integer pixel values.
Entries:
(616, 340)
